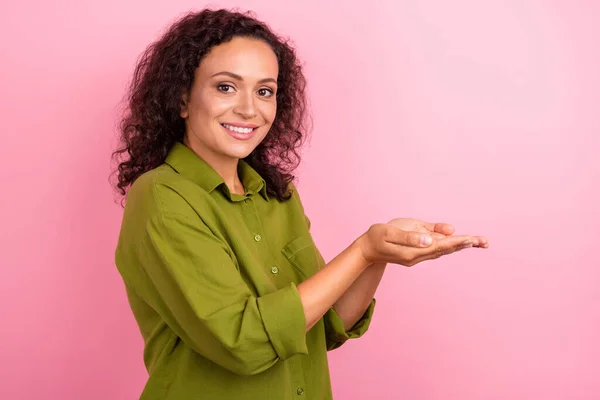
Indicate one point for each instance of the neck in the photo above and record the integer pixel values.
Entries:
(226, 167)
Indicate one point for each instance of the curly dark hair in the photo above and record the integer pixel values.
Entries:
(151, 123)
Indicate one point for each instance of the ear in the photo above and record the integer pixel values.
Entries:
(183, 109)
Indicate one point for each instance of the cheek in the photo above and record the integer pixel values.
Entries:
(213, 106)
(269, 110)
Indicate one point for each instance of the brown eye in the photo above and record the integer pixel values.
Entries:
(224, 88)
(264, 92)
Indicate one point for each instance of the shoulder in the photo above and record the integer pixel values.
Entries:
(295, 195)
(164, 191)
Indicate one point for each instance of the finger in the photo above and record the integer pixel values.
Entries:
(444, 229)
(482, 242)
(448, 245)
(437, 236)
(406, 238)
(430, 227)
(400, 253)
(440, 227)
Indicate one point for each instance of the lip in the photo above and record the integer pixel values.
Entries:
(240, 124)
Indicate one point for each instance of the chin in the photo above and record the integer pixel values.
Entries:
(239, 153)
(240, 150)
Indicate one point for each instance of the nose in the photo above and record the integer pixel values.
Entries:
(245, 106)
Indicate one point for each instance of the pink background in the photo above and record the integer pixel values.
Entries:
(480, 114)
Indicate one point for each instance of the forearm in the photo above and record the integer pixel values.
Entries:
(352, 305)
(322, 290)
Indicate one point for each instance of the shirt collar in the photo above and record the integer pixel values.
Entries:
(183, 160)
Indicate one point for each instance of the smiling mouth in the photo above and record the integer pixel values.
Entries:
(238, 129)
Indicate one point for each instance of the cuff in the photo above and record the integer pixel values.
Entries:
(283, 317)
(334, 327)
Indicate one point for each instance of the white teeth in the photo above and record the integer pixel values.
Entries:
(239, 130)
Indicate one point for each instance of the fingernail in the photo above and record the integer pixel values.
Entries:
(426, 240)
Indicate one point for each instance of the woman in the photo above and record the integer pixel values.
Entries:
(232, 297)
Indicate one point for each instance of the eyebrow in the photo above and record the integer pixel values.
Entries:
(239, 78)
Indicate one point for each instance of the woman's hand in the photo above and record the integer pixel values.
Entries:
(436, 231)
(409, 241)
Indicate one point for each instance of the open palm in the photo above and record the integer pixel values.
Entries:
(437, 231)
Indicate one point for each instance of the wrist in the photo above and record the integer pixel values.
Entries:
(357, 249)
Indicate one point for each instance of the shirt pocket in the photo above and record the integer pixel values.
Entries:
(301, 253)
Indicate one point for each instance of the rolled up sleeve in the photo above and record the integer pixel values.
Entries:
(194, 285)
(335, 333)
(286, 330)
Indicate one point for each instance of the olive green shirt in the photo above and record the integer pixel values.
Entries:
(211, 277)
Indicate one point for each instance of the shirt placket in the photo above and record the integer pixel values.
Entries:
(299, 388)
(256, 230)
(258, 236)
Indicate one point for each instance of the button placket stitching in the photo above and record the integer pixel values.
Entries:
(258, 238)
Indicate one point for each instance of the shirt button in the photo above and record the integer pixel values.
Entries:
(257, 238)
(300, 391)
(274, 270)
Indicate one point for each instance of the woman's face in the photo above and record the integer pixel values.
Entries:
(232, 103)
